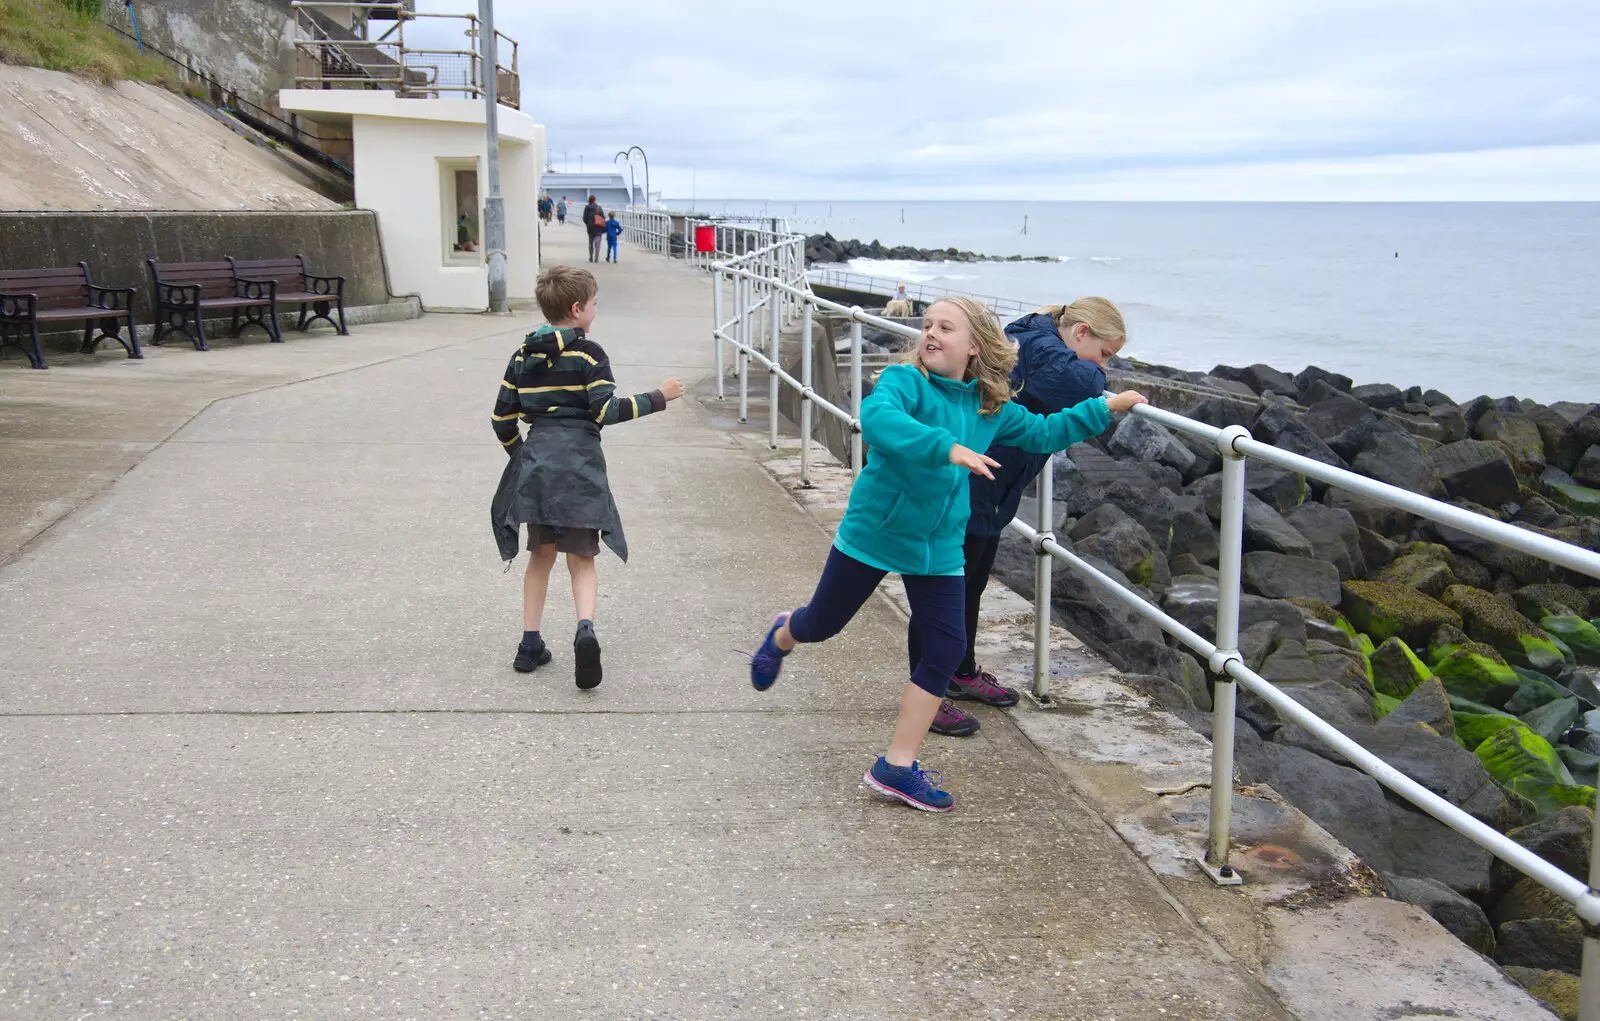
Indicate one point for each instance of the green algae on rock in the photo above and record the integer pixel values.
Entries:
(1385, 610)
(1473, 729)
(1476, 671)
(1556, 989)
(1396, 670)
(1581, 636)
(1487, 619)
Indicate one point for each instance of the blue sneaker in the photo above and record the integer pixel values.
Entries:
(912, 784)
(768, 660)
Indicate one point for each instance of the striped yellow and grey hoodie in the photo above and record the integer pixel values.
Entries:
(560, 373)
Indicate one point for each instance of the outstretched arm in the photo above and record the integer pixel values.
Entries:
(1046, 434)
(609, 409)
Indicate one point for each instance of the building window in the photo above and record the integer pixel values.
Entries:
(462, 224)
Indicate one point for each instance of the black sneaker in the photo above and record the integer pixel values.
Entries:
(529, 660)
(586, 656)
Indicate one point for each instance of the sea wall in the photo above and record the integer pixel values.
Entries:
(116, 245)
(1473, 669)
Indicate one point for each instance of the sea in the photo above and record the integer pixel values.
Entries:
(1468, 298)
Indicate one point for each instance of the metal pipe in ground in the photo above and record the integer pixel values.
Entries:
(744, 344)
(1589, 990)
(855, 390)
(717, 282)
(805, 397)
(772, 373)
(1043, 565)
(1230, 534)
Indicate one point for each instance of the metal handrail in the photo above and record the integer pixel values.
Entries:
(761, 287)
(846, 280)
(649, 231)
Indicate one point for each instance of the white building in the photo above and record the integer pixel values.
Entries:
(420, 166)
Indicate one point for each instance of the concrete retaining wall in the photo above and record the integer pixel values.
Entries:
(116, 245)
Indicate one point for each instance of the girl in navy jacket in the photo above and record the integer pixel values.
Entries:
(1062, 352)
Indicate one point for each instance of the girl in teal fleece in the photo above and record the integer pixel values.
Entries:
(925, 423)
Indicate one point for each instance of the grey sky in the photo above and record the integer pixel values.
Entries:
(1223, 99)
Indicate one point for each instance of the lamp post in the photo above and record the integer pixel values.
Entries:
(494, 210)
(624, 156)
(646, 159)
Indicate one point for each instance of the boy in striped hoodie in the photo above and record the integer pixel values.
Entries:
(559, 383)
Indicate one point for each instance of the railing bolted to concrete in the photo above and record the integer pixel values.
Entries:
(759, 268)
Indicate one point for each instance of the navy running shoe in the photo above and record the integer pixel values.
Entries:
(768, 660)
(586, 656)
(528, 660)
(912, 784)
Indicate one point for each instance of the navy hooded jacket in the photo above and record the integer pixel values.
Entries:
(1048, 377)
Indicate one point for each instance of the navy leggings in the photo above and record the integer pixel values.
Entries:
(938, 607)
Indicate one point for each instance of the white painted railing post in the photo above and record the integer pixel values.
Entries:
(855, 389)
(718, 281)
(745, 317)
(1043, 563)
(1589, 990)
(805, 397)
(775, 318)
(1230, 536)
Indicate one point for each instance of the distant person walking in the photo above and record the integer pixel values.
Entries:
(561, 210)
(546, 207)
(594, 221)
(613, 232)
(1062, 351)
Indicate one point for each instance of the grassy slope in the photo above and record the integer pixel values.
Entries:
(68, 35)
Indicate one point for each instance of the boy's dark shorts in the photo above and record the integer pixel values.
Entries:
(580, 542)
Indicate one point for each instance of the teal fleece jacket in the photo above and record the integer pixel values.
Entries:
(908, 509)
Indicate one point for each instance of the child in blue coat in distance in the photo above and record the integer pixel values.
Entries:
(925, 421)
(613, 231)
(1062, 351)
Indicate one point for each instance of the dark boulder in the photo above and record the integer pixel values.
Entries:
(1544, 943)
(1280, 427)
(1264, 379)
(1426, 848)
(1140, 439)
(1427, 704)
(1397, 458)
(1368, 513)
(1346, 802)
(1587, 468)
(1256, 643)
(1304, 379)
(1193, 603)
(1098, 520)
(1383, 610)
(1460, 917)
(1518, 436)
(1563, 839)
(1147, 504)
(1163, 691)
(1281, 489)
(1379, 395)
(1264, 528)
(1436, 398)
(1450, 424)
(1334, 537)
(1336, 413)
(1230, 386)
(1376, 549)
(1352, 441)
(1476, 471)
(1222, 412)
(1290, 664)
(1277, 576)
(1192, 531)
(1126, 546)
(1562, 447)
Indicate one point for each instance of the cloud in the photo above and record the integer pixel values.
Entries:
(1045, 99)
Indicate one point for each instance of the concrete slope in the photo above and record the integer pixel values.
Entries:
(68, 143)
(264, 754)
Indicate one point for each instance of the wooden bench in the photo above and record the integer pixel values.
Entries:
(296, 284)
(66, 294)
(186, 291)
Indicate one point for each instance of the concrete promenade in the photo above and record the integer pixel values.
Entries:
(262, 753)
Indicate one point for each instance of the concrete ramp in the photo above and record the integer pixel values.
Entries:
(68, 143)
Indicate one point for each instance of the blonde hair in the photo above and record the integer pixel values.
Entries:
(992, 364)
(1103, 318)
